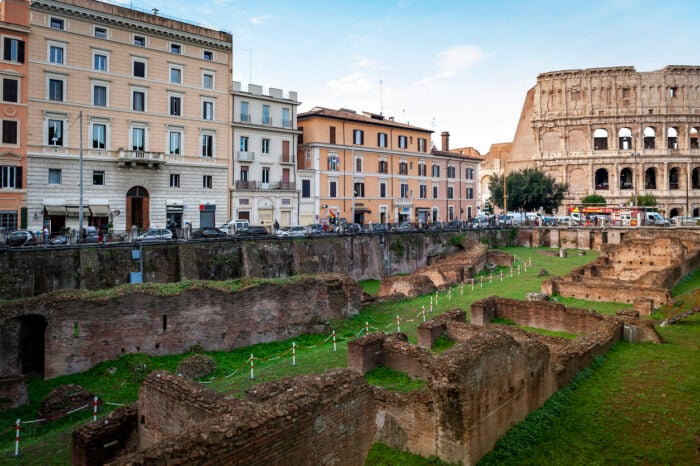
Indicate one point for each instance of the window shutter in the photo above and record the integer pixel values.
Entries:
(18, 177)
(20, 51)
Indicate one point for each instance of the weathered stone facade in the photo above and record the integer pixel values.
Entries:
(616, 132)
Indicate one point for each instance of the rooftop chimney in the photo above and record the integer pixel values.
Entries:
(445, 141)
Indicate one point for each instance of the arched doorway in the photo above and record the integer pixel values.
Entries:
(675, 212)
(31, 346)
(137, 208)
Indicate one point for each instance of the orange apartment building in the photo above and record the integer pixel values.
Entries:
(14, 32)
(368, 168)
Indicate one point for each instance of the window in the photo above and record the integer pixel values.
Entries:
(56, 53)
(245, 116)
(358, 137)
(13, 50)
(383, 166)
(207, 145)
(423, 190)
(381, 140)
(403, 168)
(99, 96)
(358, 165)
(55, 134)
(422, 145)
(403, 142)
(207, 182)
(139, 69)
(266, 115)
(404, 190)
(56, 23)
(436, 171)
(9, 132)
(140, 41)
(244, 144)
(208, 81)
(99, 136)
(306, 188)
(244, 173)
(265, 146)
(176, 48)
(174, 180)
(8, 220)
(285, 118)
(421, 169)
(208, 55)
(175, 105)
(450, 192)
(332, 135)
(332, 189)
(174, 142)
(333, 162)
(138, 101)
(359, 189)
(265, 174)
(470, 193)
(54, 176)
(451, 172)
(469, 174)
(11, 177)
(56, 90)
(208, 110)
(673, 92)
(98, 177)
(382, 189)
(138, 139)
(100, 33)
(175, 75)
(435, 192)
(99, 62)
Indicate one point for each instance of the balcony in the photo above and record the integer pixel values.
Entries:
(266, 121)
(403, 202)
(245, 156)
(288, 158)
(245, 117)
(132, 158)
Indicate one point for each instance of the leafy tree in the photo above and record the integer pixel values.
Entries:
(528, 189)
(648, 200)
(594, 199)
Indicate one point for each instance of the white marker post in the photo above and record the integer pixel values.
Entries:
(423, 312)
(17, 424)
(366, 328)
(252, 367)
(335, 347)
(294, 354)
(94, 411)
(398, 323)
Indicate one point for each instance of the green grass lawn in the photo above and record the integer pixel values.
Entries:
(314, 353)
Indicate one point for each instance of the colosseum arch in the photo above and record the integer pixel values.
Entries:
(674, 178)
(649, 138)
(693, 136)
(675, 212)
(696, 178)
(577, 141)
(601, 179)
(600, 139)
(650, 178)
(551, 142)
(672, 138)
(626, 178)
(624, 139)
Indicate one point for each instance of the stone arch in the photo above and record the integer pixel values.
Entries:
(600, 139)
(577, 140)
(601, 179)
(551, 142)
(696, 178)
(693, 138)
(624, 139)
(650, 178)
(672, 138)
(649, 137)
(674, 178)
(675, 212)
(626, 179)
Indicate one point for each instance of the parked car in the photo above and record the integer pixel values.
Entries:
(208, 232)
(156, 234)
(21, 238)
(294, 231)
(316, 229)
(58, 239)
(232, 226)
(453, 225)
(378, 228)
(406, 226)
(352, 228)
(252, 230)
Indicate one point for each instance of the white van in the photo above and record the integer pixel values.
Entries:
(655, 218)
(232, 226)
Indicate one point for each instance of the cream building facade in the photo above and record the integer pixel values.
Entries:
(144, 99)
(366, 168)
(264, 136)
(616, 132)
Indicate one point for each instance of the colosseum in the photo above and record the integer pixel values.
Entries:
(616, 132)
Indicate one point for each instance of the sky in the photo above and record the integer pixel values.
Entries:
(443, 65)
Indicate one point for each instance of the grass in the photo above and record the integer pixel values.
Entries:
(49, 444)
(389, 379)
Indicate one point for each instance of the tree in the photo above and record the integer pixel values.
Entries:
(529, 189)
(594, 199)
(648, 200)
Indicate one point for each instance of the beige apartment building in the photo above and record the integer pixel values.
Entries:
(368, 168)
(264, 186)
(141, 103)
(14, 37)
(616, 132)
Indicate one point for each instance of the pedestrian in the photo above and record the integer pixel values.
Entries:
(84, 234)
(46, 235)
(276, 225)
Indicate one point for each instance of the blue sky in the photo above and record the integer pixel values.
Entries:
(457, 66)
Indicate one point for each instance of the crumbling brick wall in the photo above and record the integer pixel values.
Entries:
(97, 442)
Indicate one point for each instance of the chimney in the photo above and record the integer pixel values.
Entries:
(445, 141)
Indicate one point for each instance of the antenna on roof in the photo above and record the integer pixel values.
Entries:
(155, 11)
(381, 97)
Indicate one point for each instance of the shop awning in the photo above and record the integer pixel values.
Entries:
(98, 210)
(74, 211)
(55, 209)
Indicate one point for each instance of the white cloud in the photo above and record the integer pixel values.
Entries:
(363, 62)
(258, 20)
(451, 61)
(355, 84)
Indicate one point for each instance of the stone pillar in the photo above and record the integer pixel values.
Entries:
(554, 238)
(583, 239)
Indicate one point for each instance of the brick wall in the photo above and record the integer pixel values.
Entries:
(98, 442)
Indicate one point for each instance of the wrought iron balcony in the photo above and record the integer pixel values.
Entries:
(132, 158)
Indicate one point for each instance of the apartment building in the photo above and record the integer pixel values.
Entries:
(264, 135)
(14, 33)
(134, 104)
(368, 168)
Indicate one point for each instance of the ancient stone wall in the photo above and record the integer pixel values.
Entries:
(82, 332)
(313, 419)
(97, 442)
